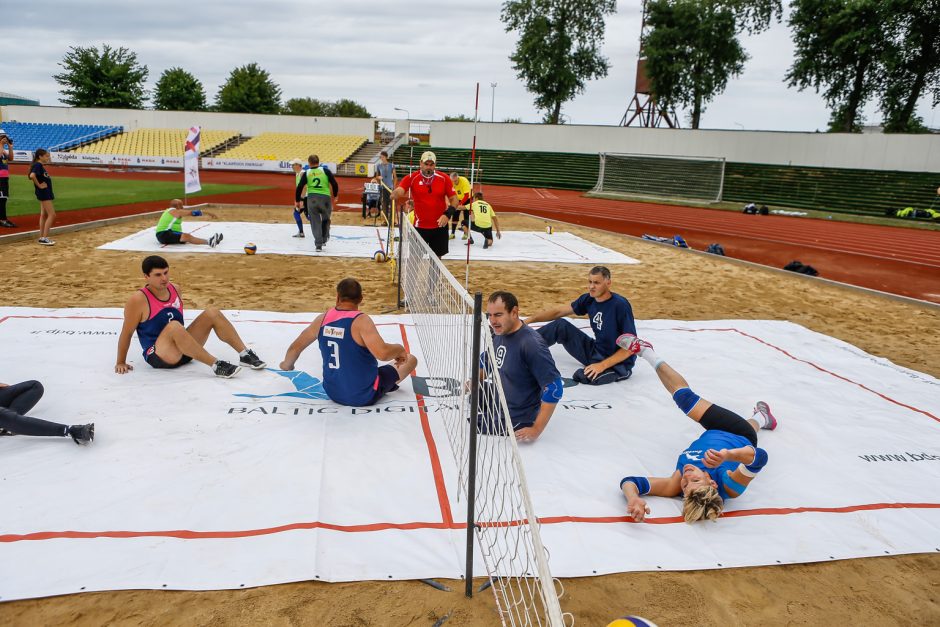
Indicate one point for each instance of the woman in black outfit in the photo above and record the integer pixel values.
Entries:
(43, 188)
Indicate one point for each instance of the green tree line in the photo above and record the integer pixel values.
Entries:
(114, 78)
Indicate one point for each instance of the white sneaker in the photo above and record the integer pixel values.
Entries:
(214, 240)
(45, 241)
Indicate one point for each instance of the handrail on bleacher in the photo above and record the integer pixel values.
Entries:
(78, 141)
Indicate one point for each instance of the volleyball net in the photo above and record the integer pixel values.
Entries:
(455, 340)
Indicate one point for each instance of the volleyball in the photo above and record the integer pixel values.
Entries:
(631, 621)
(250, 248)
(379, 256)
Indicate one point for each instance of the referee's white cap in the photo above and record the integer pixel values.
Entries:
(428, 156)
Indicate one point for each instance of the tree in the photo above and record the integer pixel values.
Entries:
(691, 51)
(343, 108)
(346, 108)
(178, 90)
(308, 106)
(558, 48)
(912, 61)
(460, 117)
(249, 89)
(107, 78)
(840, 47)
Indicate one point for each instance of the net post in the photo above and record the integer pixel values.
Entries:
(472, 452)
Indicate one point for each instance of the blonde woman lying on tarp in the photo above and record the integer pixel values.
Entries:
(719, 465)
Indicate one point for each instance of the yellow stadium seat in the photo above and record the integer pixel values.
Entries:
(155, 142)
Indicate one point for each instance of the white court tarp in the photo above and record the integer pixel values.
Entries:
(195, 482)
(365, 241)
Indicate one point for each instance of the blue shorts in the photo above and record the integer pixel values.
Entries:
(386, 381)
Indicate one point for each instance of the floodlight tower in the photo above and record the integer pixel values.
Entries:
(644, 108)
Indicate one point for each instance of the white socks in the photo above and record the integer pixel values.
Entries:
(760, 419)
(650, 356)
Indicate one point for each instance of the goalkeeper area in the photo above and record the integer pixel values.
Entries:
(698, 179)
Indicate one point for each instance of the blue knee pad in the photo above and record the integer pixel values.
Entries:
(685, 399)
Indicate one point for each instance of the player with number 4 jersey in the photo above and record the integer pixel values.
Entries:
(351, 348)
(611, 316)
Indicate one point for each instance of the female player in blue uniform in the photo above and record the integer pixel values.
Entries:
(717, 466)
(351, 348)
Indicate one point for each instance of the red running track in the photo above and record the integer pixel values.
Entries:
(898, 260)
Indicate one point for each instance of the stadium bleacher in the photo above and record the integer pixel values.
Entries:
(33, 135)
(286, 146)
(155, 142)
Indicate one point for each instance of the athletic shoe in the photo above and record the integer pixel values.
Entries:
(214, 240)
(82, 434)
(225, 370)
(464, 237)
(763, 409)
(252, 361)
(632, 343)
(45, 241)
(319, 249)
(4, 432)
(301, 234)
(452, 236)
(7, 224)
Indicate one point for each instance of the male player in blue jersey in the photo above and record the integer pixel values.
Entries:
(530, 380)
(719, 465)
(155, 311)
(611, 316)
(351, 348)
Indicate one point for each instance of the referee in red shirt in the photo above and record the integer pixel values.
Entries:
(434, 198)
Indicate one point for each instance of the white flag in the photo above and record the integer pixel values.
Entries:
(191, 161)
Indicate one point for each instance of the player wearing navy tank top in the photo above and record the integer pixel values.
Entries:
(525, 367)
(351, 348)
(717, 466)
(155, 312)
(610, 316)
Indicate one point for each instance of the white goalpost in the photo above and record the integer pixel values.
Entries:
(491, 478)
(657, 176)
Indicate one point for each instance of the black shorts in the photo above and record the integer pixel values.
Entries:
(487, 232)
(5, 187)
(386, 381)
(44, 194)
(151, 357)
(721, 419)
(169, 237)
(437, 240)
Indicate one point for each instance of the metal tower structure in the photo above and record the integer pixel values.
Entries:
(643, 108)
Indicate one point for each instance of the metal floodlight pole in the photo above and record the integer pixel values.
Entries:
(472, 454)
(492, 101)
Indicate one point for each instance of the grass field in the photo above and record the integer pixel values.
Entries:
(82, 193)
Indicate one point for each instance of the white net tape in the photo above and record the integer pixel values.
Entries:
(507, 532)
(656, 176)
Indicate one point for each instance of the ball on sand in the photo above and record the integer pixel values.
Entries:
(250, 249)
(379, 256)
(631, 621)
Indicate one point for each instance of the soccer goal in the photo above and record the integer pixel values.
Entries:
(455, 340)
(656, 176)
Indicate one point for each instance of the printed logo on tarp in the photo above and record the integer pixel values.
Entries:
(71, 332)
(305, 386)
(900, 457)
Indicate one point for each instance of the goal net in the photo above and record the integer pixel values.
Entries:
(505, 528)
(655, 176)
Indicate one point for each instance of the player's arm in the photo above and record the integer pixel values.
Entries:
(333, 184)
(32, 177)
(400, 189)
(133, 314)
(547, 315)
(380, 349)
(301, 187)
(635, 488)
(307, 337)
(499, 234)
(751, 460)
(539, 361)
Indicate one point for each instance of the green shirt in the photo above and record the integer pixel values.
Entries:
(317, 182)
(169, 222)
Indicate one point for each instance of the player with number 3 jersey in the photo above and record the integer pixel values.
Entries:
(351, 348)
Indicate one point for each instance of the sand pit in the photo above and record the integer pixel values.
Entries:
(668, 284)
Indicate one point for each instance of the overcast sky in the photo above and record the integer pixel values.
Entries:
(422, 57)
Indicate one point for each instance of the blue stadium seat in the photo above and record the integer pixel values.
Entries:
(33, 135)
